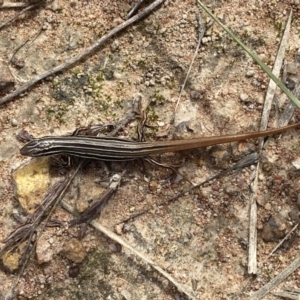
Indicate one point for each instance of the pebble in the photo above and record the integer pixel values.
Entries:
(74, 250)
(206, 40)
(275, 229)
(74, 271)
(268, 206)
(162, 30)
(114, 46)
(256, 83)
(244, 97)
(250, 73)
(113, 248)
(44, 252)
(14, 122)
(118, 75)
(54, 6)
(294, 215)
(73, 3)
(232, 190)
(119, 228)
(296, 163)
(196, 95)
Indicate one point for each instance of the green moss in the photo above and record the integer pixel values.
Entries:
(151, 114)
(171, 83)
(141, 63)
(278, 26)
(157, 97)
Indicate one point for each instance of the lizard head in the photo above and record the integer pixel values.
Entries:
(36, 147)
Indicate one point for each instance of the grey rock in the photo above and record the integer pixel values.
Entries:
(275, 229)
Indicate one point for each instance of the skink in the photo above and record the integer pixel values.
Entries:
(116, 149)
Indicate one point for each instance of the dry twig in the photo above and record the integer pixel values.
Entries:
(252, 250)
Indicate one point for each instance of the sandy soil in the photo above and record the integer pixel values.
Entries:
(200, 239)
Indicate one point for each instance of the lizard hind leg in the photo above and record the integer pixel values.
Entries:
(154, 162)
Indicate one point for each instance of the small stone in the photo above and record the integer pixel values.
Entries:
(11, 259)
(54, 5)
(74, 271)
(44, 252)
(74, 250)
(112, 248)
(162, 30)
(256, 83)
(205, 40)
(119, 228)
(244, 97)
(290, 83)
(14, 122)
(294, 215)
(73, 3)
(232, 190)
(250, 73)
(262, 56)
(151, 82)
(267, 167)
(114, 46)
(268, 206)
(275, 229)
(296, 163)
(153, 186)
(49, 19)
(117, 75)
(195, 95)
(32, 180)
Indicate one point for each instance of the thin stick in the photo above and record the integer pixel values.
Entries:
(276, 71)
(70, 62)
(13, 5)
(252, 250)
